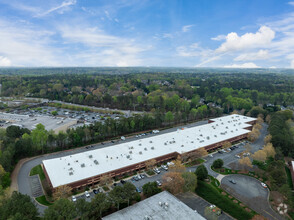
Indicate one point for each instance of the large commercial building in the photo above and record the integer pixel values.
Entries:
(85, 169)
(161, 206)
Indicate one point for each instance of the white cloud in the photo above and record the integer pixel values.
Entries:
(292, 64)
(102, 49)
(219, 37)
(260, 55)
(244, 65)
(26, 46)
(187, 28)
(4, 61)
(63, 6)
(261, 38)
(291, 3)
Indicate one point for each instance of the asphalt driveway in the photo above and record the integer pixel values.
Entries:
(250, 191)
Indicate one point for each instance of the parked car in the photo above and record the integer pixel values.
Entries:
(123, 138)
(264, 185)
(142, 176)
(220, 152)
(139, 177)
(102, 143)
(96, 191)
(158, 182)
(232, 181)
(112, 141)
(170, 164)
(122, 181)
(156, 170)
(74, 199)
(210, 155)
(237, 156)
(164, 167)
(138, 190)
(87, 194)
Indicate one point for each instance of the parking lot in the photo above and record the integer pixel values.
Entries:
(197, 203)
(63, 118)
(251, 192)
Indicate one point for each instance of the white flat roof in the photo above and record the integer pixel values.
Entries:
(72, 168)
(161, 206)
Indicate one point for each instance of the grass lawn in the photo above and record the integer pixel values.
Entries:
(38, 170)
(223, 170)
(105, 188)
(195, 162)
(212, 195)
(150, 172)
(289, 178)
(42, 200)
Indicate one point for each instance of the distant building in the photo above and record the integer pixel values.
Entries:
(161, 206)
(292, 171)
(86, 169)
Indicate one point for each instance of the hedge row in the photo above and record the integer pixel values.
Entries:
(212, 195)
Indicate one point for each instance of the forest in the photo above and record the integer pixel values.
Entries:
(176, 92)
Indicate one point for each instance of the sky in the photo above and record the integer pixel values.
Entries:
(167, 33)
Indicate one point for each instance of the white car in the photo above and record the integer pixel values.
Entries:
(210, 155)
(164, 167)
(74, 199)
(158, 182)
(123, 138)
(87, 194)
(156, 170)
(237, 156)
(264, 185)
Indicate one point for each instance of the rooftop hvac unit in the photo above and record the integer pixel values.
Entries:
(140, 152)
(207, 137)
(90, 156)
(83, 165)
(215, 135)
(68, 164)
(182, 145)
(70, 173)
(145, 148)
(96, 162)
(140, 144)
(130, 152)
(128, 156)
(76, 161)
(152, 148)
(150, 141)
(165, 143)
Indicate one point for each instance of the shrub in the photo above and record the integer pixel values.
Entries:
(212, 195)
(201, 172)
(218, 163)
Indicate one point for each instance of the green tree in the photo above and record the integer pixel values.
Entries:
(150, 189)
(201, 172)
(99, 204)
(18, 206)
(129, 191)
(54, 113)
(61, 209)
(169, 116)
(218, 163)
(190, 181)
(39, 137)
(116, 196)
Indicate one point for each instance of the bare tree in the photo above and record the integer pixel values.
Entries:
(260, 155)
(149, 164)
(245, 162)
(173, 182)
(63, 191)
(105, 179)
